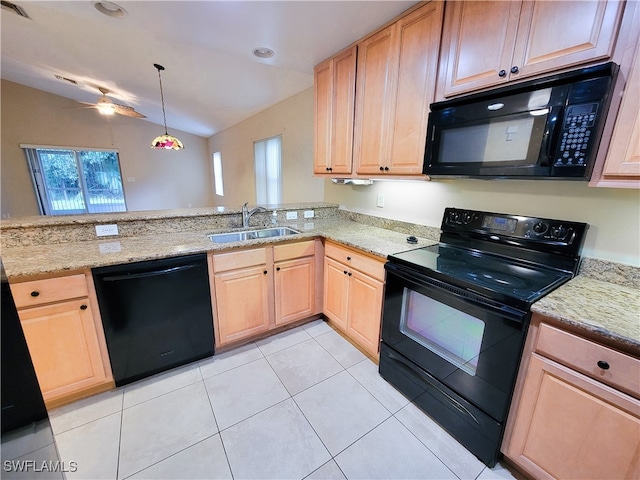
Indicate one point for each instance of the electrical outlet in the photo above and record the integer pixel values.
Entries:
(380, 202)
(308, 214)
(292, 215)
(106, 230)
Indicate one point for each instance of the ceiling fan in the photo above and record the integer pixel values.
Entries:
(106, 106)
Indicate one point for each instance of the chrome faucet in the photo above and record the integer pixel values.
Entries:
(246, 213)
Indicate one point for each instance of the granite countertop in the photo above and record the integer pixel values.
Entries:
(595, 306)
(24, 262)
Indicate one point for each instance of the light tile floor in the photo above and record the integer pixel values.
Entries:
(301, 404)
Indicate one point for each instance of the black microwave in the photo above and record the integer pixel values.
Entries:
(543, 128)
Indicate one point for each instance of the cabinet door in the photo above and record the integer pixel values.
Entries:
(569, 426)
(294, 289)
(419, 37)
(335, 86)
(623, 159)
(64, 346)
(242, 303)
(556, 35)
(478, 41)
(323, 100)
(336, 285)
(364, 311)
(375, 101)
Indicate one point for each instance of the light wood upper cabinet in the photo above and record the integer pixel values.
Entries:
(395, 84)
(61, 324)
(573, 418)
(489, 43)
(334, 87)
(621, 165)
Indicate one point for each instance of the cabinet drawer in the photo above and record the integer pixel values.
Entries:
(38, 292)
(293, 250)
(367, 265)
(241, 259)
(584, 356)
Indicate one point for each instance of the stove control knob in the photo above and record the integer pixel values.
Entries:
(558, 231)
(466, 217)
(454, 217)
(540, 228)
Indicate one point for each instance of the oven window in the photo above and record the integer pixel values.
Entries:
(447, 332)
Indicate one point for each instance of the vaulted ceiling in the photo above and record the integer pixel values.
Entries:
(211, 79)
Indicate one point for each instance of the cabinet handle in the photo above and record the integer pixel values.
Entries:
(502, 73)
(514, 69)
(83, 307)
(35, 293)
(265, 272)
(603, 365)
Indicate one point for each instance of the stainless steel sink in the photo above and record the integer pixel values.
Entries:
(251, 234)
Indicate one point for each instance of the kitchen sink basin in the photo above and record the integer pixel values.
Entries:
(252, 234)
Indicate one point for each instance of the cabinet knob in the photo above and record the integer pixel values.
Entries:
(349, 273)
(382, 169)
(83, 307)
(349, 258)
(345, 272)
(502, 73)
(265, 272)
(277, 269)
(35, 293)
(386, 169)
(603, 365)
(514, 69)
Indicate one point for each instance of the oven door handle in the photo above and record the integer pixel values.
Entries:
(431, 380)
(414, 278)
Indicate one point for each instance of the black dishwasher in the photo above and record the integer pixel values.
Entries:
(156, 314)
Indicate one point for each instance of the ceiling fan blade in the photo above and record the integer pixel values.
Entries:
(127, 111)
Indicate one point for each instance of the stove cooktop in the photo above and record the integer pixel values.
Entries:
(492, 275)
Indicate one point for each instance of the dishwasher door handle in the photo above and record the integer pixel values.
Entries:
(154, 273)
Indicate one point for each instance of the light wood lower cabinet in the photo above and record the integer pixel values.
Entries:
(60, 320)
(353, 293)
(259, 289)
(571, 418)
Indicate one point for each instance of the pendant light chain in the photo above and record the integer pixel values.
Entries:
(164, 115)
(166, 141)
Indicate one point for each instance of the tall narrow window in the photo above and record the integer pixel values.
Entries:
(268, 158)
(217, 174)
(73, 181)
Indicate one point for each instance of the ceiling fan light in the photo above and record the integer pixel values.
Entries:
(106, 107)
(166, 142)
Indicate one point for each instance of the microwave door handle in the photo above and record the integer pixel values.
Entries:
(547, 140)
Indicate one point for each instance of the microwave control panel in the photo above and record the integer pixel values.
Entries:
(577, 131)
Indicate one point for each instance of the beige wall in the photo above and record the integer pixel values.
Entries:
(613, 214)
(293, 119)
(163, 179)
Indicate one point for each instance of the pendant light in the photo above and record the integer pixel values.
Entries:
(166, 141)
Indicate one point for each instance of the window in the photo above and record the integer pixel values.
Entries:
(268, 158)
(71, 181)
(217, 174)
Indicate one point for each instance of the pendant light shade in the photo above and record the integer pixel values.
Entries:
(165, 141)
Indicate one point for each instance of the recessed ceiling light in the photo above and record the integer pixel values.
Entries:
(110, 9)
(263, 52)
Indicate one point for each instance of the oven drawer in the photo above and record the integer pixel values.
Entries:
(363, 263)
(596, 361)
